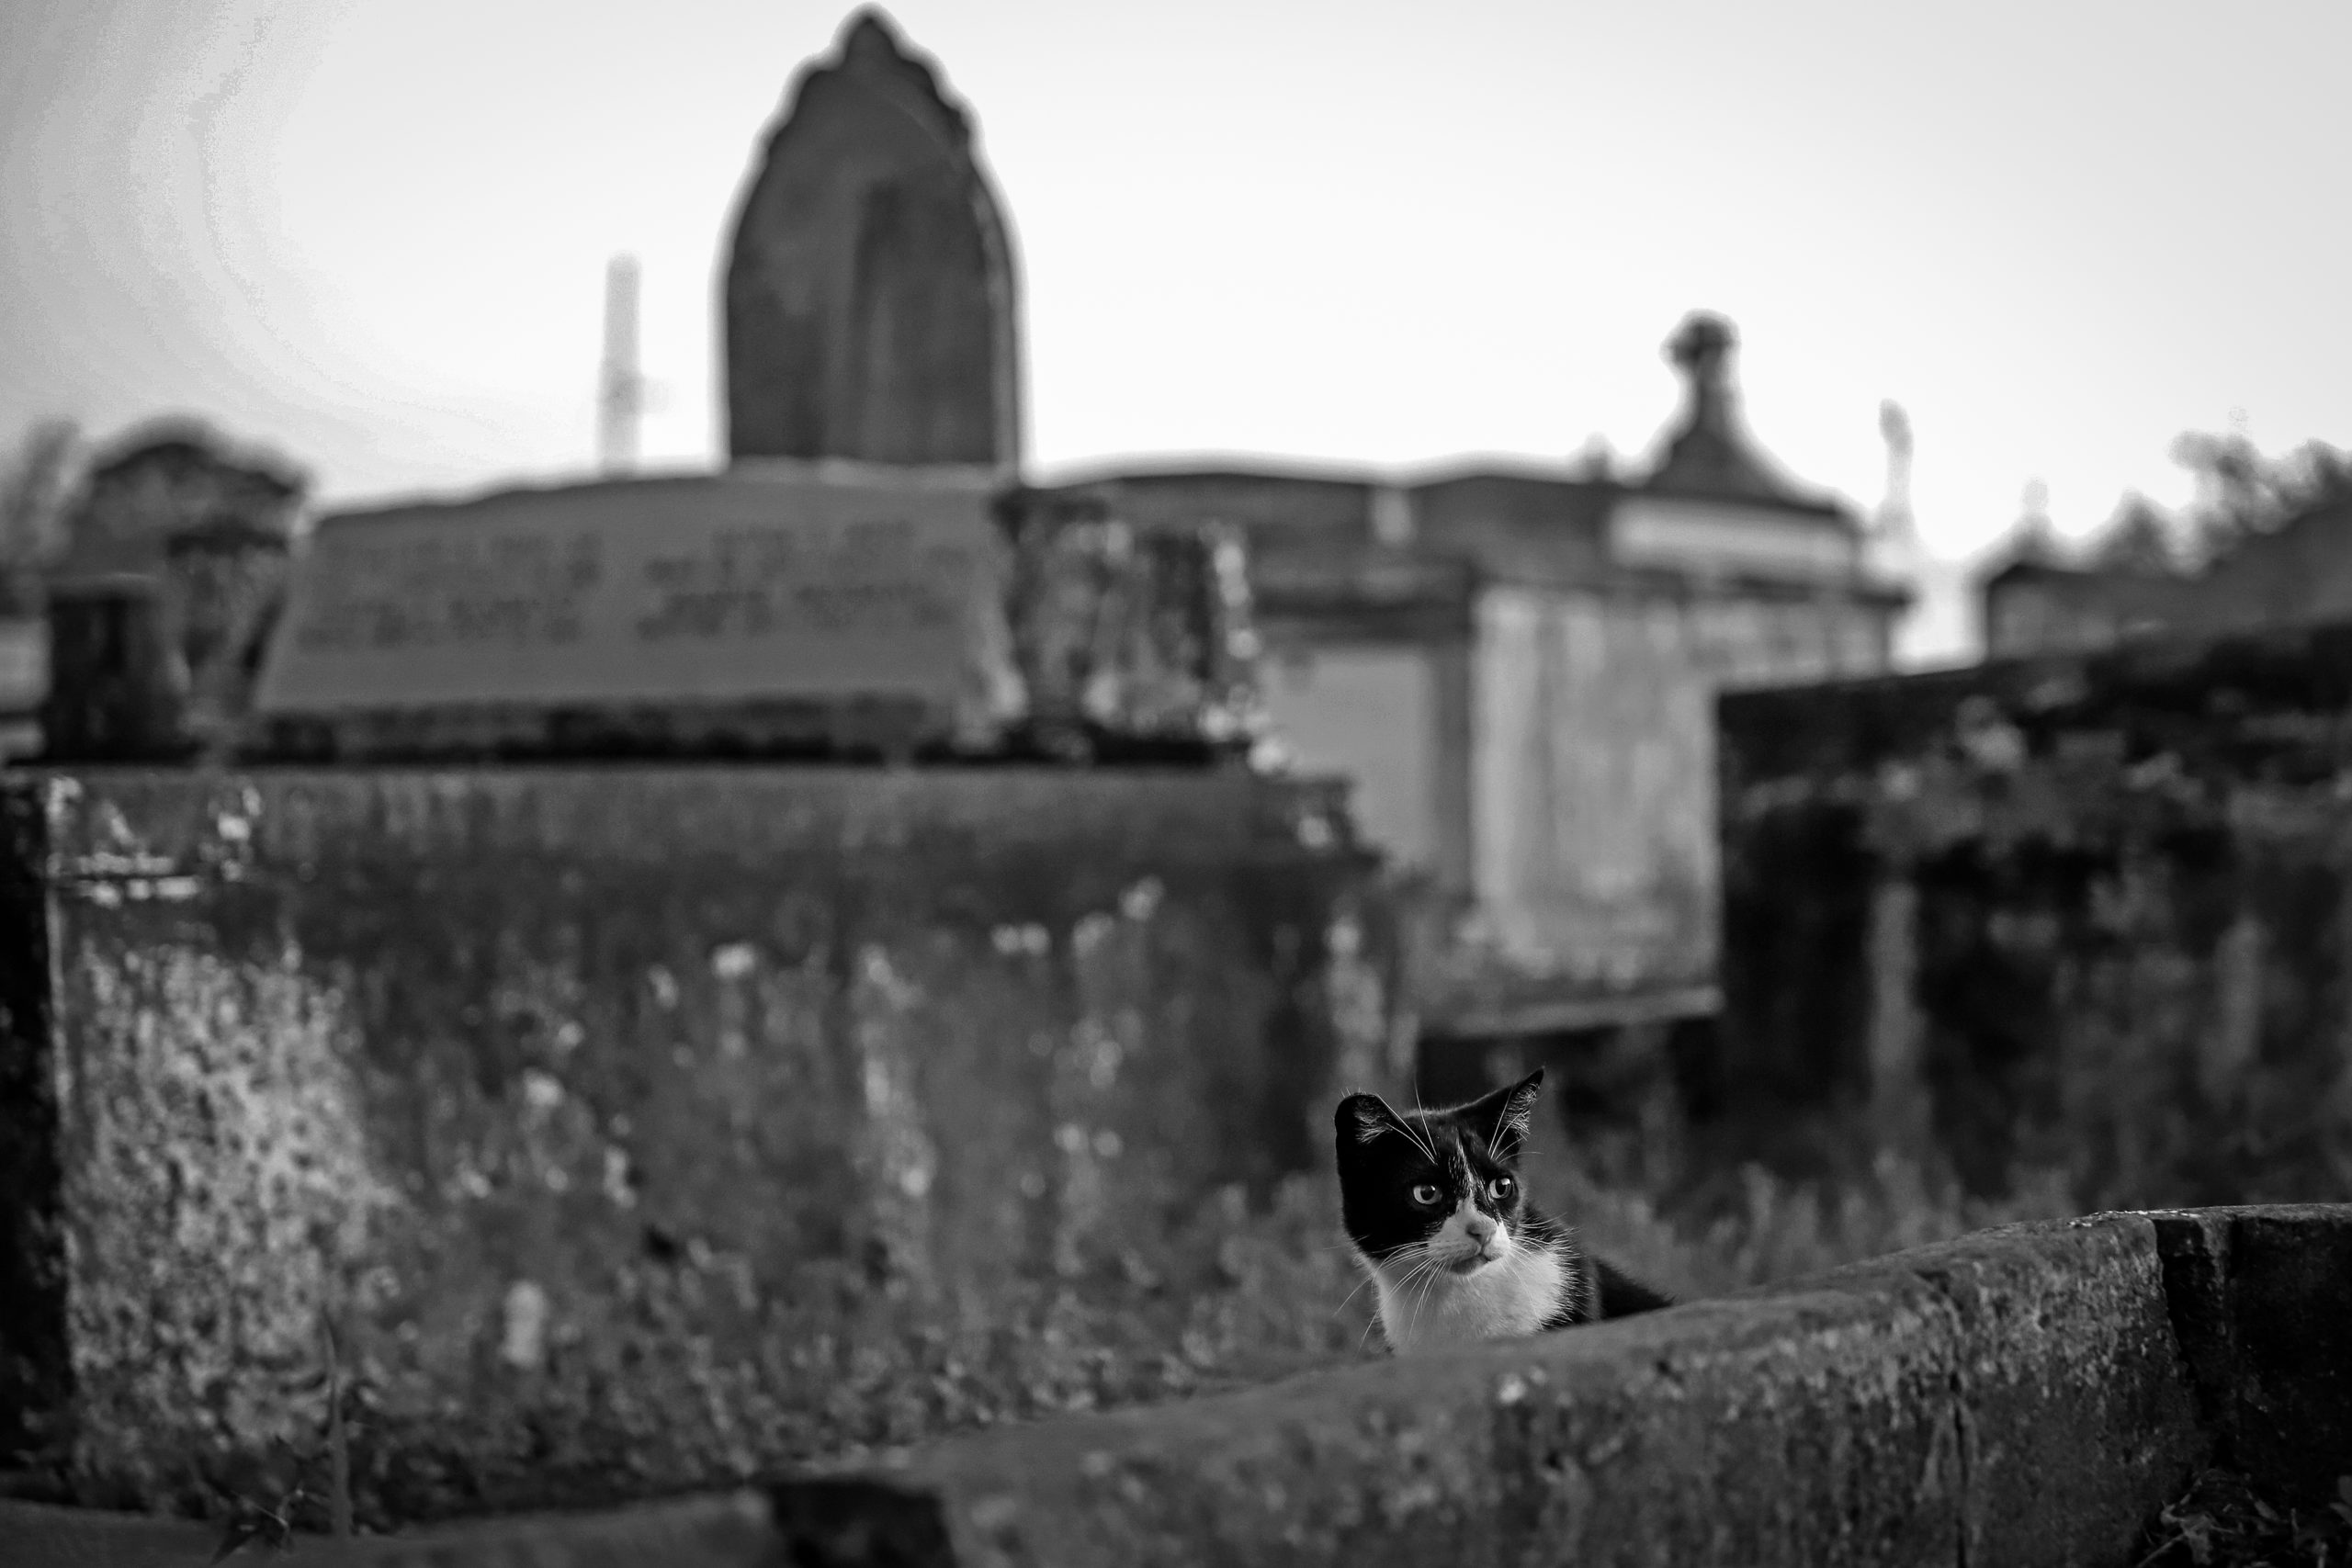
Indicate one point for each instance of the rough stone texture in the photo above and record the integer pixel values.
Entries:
(2259, 1299)
(33, 1360)
(731, 1530)
(2072, 1409)
(1130, 638)
(2086, 913)
(635, 1128)
(2017, 1397)
(2023, 1396)
(870, 293)
(1575, 1448)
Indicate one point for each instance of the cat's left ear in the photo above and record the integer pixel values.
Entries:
(1503, 1116)
(1363, 1117)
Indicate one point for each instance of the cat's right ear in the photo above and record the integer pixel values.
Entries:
(1365, 1117)
(1503, 1116)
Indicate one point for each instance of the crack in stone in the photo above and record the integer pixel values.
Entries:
(2194, 1267)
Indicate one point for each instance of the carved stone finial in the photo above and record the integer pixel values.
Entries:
(1700, 346)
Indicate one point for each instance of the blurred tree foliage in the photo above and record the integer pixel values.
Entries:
(2243, 492)
(35, 483)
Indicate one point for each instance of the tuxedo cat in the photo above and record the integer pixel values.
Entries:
(1456, 1253)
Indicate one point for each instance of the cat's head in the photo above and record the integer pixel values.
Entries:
(1430, 1190)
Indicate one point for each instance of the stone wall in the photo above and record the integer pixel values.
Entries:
(630, 1129)
(2084, 913)
(2033, 1395)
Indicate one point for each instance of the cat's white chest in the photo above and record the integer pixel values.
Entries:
(1508, 1298)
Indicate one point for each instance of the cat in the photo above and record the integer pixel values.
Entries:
(1456, 1254)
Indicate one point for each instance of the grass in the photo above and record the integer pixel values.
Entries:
(2225, 1521)
(1644, 1198)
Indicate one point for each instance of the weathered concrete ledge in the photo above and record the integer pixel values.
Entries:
(2027, 1395)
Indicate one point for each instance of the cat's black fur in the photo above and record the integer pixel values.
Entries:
(1432, 1203)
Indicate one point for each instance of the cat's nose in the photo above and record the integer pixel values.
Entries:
(1480, 1226)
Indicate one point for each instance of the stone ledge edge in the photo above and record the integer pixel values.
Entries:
(1466, 1447)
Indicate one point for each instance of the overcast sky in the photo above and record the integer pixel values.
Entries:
(373, 234)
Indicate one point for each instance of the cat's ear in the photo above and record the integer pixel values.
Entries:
(1502, 1117)
(1363, 1117)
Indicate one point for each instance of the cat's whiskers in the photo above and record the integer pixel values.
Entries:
(1420, 1124)
(1352, 1296)
(1422, 1264)
(1515, 1118)
(1426, 1265)
(1429, 1283)
(1419, 1136)
(1414, 1254)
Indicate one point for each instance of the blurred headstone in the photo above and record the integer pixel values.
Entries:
(870, 293)
(167, 481)
(180, 541)
(795, 610)
(224, 581)
(23, 678)
(117, 686)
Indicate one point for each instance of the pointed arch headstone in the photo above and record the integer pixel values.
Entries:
(870, 305)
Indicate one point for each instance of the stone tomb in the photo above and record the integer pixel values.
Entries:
(777, 609)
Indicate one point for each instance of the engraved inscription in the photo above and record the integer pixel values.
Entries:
(869, 577)
(517, 588)
(503, 589)
(709, 591)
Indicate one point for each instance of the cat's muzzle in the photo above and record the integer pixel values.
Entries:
(1470, 1263)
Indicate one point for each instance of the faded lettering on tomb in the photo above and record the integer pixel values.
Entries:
(660, 590)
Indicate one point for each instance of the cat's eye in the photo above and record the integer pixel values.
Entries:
(1500, 1189)
(1426, 1194)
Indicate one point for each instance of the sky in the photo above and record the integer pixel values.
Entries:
(373, 236)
